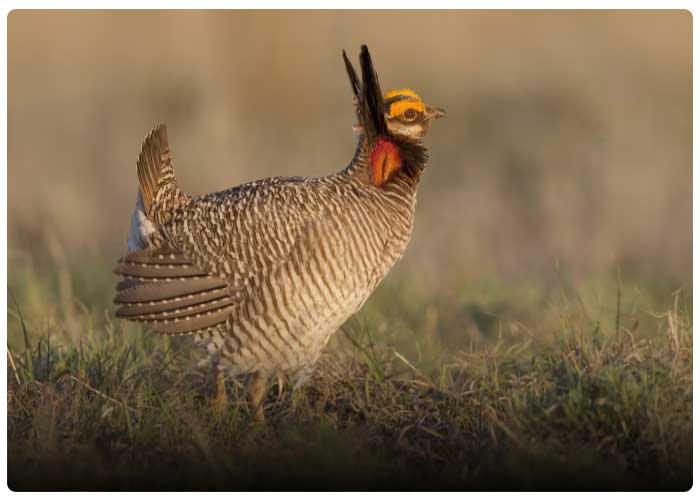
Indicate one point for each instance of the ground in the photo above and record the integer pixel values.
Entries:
(408, 396)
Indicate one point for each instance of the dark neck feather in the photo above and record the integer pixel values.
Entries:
(412, 168)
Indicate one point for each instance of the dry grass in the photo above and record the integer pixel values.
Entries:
(589, 401)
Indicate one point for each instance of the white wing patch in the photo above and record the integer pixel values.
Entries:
(141, 227)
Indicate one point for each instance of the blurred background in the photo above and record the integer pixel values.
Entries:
(565, 158)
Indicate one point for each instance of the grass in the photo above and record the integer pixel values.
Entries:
(530, 388)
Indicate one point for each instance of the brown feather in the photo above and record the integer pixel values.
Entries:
(148, 166)
(165, 305)
(157, 270)
(168, 290)
(159, 189)
(173, 310)
(193, 324)
(159, 256)
(160, 264)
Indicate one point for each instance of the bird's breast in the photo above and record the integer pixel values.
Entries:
(334, 268)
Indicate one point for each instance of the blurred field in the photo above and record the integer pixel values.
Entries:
(554, 222)
(568, 140)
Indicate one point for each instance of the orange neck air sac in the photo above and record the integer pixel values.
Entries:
(384, 161)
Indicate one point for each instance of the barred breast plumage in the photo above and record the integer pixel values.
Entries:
(264, 273)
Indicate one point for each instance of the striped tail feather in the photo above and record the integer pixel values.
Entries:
(160, 192)
(166, 291)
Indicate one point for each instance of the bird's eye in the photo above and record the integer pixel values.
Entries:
(410, 115)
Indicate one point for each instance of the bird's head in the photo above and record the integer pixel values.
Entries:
(392, 124)
(407, 116)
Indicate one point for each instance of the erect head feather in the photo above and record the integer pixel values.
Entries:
(373, 100)
(354, 81)
(368, 96)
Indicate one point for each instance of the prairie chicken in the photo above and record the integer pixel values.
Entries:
(264, 273)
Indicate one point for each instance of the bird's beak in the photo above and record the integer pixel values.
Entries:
(432, 113)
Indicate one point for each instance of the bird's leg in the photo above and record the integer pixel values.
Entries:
(220, 401)
(256, 393)
(280, 388)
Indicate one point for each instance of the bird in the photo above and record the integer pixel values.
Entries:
(263, 274)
